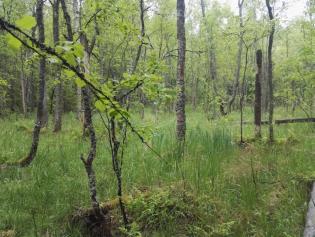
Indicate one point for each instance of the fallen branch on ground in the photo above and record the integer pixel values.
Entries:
(285, 121)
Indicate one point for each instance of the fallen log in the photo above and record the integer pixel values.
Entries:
(285, 121)
(309, 230)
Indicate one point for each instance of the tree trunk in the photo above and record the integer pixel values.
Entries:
(239, 57)
(270, 44)
(42, 62)
(67, 19)
(58, 88)
(23, 86)
(40, 120)
(76, 28)
(264, 83)
(180, 104)
(257, 109)
(31, 81)
(243, 91)
(70, 31)
(100, 225)
(212, 61)
(86, 70)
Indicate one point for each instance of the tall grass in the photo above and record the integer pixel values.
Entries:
(256, 191)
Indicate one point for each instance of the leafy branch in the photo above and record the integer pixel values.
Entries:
(99, 94)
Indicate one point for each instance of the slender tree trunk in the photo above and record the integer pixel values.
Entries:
(31, 79)
(67, 19)
(86, 69)
(135, 63)
(257, 108)
(101, 223)
(23, 86)
(58, 88)
(180, 104)
(45, 109)
(264, 82)
(243, 91)
(76, 28)
(239, 57)
(42, 62)
(41, 90)
(212, 61)
(117, 166)
(270, 69)
(70, 31)
(76, 15)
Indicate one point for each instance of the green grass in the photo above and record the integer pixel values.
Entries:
(259, 190)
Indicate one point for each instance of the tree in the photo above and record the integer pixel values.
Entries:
(23, 85)
(270, 68)
(212, 59)
(77, 14)
(257, 108)
(180, 104)
(41, 118)
(239, 56)
(58, 88)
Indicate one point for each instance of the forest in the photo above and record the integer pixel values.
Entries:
(157, 118)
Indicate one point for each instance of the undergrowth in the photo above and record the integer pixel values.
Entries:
(215, 188)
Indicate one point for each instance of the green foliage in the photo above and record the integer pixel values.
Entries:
(13, 42)
(80, 83)
(100, 105)
(26, 22)
(3, 83)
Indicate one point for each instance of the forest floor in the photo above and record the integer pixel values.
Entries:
(216, 189)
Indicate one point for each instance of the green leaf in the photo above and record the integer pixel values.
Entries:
(124, 113)
(78, 50)
(70, 58)
(26, 22)
(100, 105)
(59, 49)
(3, 82)
(79, 82)
(13, 42)
(106, 90)
(69, 73)
(113, 112)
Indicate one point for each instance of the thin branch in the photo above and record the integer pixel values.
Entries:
(97, 92)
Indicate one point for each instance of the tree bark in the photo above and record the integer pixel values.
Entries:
(23, 86)
(243, 91)
(58, 88)
(270, 71)
(70, 32)
(67, 19)
(86, 70)
(76, 28)
(42, 62)
(212, 60)
(101, 224)
(239, 57)
(180, 104)
(257, 108)
(40, 120)
(135, 63)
